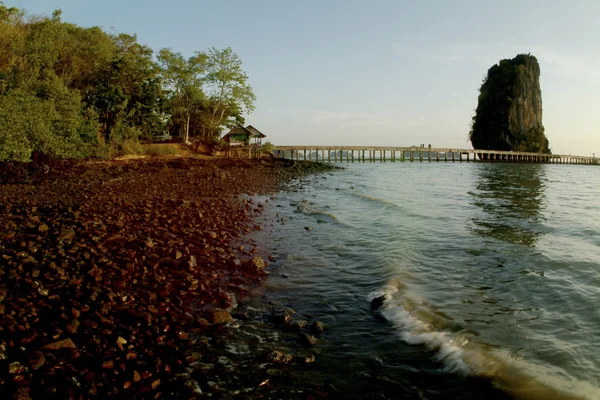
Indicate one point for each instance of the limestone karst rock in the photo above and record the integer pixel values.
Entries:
(509, 109)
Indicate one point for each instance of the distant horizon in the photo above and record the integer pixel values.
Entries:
(389, 73)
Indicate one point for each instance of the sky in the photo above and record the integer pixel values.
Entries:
(379, 72)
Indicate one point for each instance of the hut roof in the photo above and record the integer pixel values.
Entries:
(238, 130)
(255, 132)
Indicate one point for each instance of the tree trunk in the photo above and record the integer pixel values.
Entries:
(187, 130)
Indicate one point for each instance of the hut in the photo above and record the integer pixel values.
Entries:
(240, 136)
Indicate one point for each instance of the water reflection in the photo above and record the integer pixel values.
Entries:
(511, 198)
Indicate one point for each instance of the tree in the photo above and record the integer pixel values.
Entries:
(183, 81)
(227, 87)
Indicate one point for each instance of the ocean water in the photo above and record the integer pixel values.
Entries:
(491, 274)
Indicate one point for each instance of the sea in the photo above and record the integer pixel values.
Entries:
(490, 274)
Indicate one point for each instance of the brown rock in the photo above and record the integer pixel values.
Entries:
(309, 340)
(73, 326)
(136, 376)
(61, 344)
(15, 368)
(66, 234)
(317, 327)
(36, 359)
(220, 317)
(279, 357)
(256, 264)
(43, 228)
(22, 394)
(298, 325)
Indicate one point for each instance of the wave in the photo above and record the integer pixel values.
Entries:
(308, 209)
(374, 199)
(459, 349)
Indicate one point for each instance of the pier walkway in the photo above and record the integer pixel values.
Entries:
(387, 153)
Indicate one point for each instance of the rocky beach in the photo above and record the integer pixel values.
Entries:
(118, 279)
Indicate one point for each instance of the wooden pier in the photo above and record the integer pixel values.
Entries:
(400, 154)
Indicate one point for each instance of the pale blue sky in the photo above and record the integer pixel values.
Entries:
(377, 72)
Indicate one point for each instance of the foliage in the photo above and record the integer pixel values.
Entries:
(182, 80)
(70, 91)
(267, 148)
(229, 92)
(490, 126)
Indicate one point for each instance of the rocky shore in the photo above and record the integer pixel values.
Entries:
(115, 276)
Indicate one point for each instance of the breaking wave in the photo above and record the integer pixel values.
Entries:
(418, 323)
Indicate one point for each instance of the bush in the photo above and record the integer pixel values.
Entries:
(49, 126)
(267, 148)
(159, 150)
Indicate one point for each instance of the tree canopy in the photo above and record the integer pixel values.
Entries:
(69, 91)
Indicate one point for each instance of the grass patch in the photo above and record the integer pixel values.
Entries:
(155, 150)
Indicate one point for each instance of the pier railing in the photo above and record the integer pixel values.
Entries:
(393, 154)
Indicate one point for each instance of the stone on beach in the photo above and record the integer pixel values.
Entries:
(108, 292)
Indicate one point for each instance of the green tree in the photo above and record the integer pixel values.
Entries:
(183, 81)
(229, 93)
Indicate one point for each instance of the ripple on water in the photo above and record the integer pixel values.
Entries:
(491, 270)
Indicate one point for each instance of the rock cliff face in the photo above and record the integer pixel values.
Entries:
(509, 109)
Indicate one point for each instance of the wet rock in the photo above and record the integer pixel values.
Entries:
(317, 327)
(283, 317)
(377, 302)
(275, 372)
(255, 265)
(308, 340)
(279, 357)
(220, 317)
(308, 228)
(298, 325)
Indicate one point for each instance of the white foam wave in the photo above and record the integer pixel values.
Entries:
(306, 208)
(418, 323)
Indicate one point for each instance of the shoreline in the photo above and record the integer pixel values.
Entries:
(114, 273)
